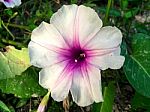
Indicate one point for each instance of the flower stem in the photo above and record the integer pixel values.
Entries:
(66, 104)
(107, 12)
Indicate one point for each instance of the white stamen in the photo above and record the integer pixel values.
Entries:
(82, 55)
(76, 60)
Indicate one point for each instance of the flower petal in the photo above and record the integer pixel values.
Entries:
(45, 46)
(88, 23)
(111, 60)
(61, 90)
(63, 20)
(79, 90)
(11, 3)
(94, 77)
(49, 75)
(76, 23)
(58, 79)
(107, 38)
(115, 62)
(46, 35)
(41, 56)
(86, 86)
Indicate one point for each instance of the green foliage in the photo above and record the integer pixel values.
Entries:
(19, 81)
(137, 65)
(131, 13)
(8, 12)
(74, 1)
(23, 86)
(107, 105)
(3, 107)
(13, 62)
(55, 107)
(113, 11)
(124, 4)
(109, 94)
(140, 102)
(21, 103)
(0, 22)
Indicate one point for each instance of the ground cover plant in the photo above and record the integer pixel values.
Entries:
(124, 89)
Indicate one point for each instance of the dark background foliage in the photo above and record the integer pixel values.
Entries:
(121, 92)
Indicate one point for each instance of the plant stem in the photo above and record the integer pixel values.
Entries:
(107, 12)
(12, 43)
(18, 26)
(8, 30)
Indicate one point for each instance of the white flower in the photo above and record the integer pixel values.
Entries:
(72, 50)
(11, 3)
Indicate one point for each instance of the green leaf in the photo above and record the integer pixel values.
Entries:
(13, 62)
(8, 12)
(3, 107)
(109, 94)
(124, 4)
(38, 14)
(74, 1)
(21, 103)
(140, 101)
(137, 65)
(131, 13)
(113, 11)
(23, 86)
(142, 28)
(96, 107)
(107, 105)
(128, 14)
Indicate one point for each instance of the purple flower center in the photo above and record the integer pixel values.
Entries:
(78, 55)
(75, 56)
(7, 0)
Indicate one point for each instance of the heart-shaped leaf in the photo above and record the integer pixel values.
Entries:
(137, 65)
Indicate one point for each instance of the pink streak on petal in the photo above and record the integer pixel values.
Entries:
(90, 37)
(65, 72)
(50, 47)
(64, 38)
(101, 52)
(76, 37)
(59, 51)
(84, 71)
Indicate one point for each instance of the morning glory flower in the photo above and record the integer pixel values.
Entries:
(72, 50)
(11, 3)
